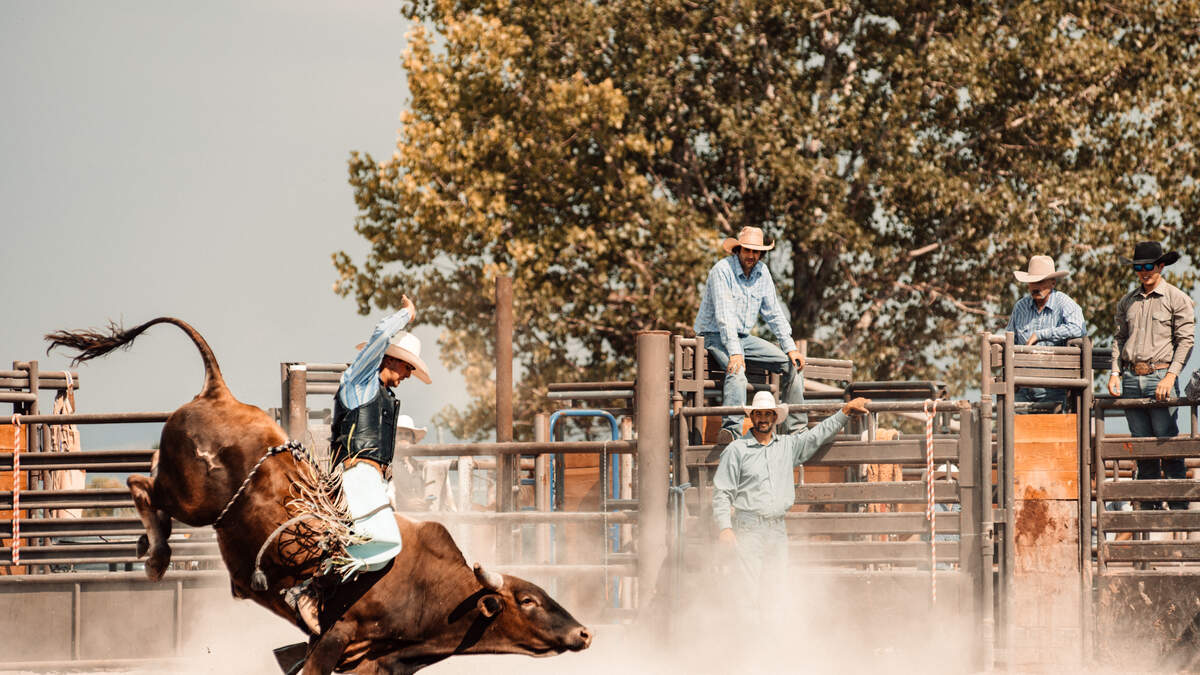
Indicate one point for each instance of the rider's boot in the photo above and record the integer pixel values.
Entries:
(303, 600)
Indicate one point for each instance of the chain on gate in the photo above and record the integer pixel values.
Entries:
(16, 513)
(930, 409)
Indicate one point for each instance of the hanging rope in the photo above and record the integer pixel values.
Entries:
(930, 512)
(16, 513)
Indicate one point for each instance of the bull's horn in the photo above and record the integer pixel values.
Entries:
(490, 580)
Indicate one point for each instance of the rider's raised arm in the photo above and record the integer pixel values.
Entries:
(363, 373)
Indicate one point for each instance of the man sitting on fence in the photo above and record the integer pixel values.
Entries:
(738, 290)
(755, 486)
(363, 439)
(1046, 316)
(1155, 330)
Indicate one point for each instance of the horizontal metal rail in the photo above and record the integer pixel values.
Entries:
(894, 492)
(517, 448)
(105, 460)
(1151, 521)
(1152, 490)
(524, 517)
(1120, 448)
(871, 552)
(1123, 403)
(68, 499)
(95, 418)
(103, 526)
(875, 406)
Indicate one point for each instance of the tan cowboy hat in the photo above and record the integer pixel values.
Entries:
(765, 400)
(1041, 267)
(749, 237)
(406, 422)
(406, 347)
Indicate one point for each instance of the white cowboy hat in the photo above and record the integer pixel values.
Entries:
(1040, 267)
(749, 237)
(406, 422)
(765, 400)
(406, 347)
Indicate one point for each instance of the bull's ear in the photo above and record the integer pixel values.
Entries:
(489, 580)
(490, 605)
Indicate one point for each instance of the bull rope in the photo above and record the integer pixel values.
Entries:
(313, 500)
(293, 446)
(16, 513)
(930, 511)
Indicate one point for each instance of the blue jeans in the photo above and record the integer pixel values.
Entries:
(1041, 395)
(1155, 422)
(763, 354)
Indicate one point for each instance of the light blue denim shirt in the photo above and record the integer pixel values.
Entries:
(732, 303)
(1058, 321)
(760, 478)
(360, 382)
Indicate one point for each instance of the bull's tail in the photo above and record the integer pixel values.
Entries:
(92, 343)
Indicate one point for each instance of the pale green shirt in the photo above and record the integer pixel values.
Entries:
(759, 478)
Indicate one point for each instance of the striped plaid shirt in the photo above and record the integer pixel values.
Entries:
(360, 382)
(732, 303)
(1058, 321)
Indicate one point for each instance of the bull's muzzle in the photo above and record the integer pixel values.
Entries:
(579, 639)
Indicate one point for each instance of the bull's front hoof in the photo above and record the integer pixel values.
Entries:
(143, 545)
(157, 563)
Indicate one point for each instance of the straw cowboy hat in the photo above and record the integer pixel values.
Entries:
(765, 400)
(1041, 267)
(1150, 252)
(406, 347)
(406, 422)
(749, 237)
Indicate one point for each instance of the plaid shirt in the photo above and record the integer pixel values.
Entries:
(1058, 321)
(732, 303)
(360, 382)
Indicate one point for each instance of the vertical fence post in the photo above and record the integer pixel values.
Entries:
(506, 465)
(987, 528)
(652, 410)
(297, 401)
(1010, 503)
(1084, 421)
(626, 494)
(541, 487)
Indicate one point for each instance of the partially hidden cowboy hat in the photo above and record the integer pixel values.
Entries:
(406, 422)
(749, 237)
(1041, 267)
(765, 400)
(406, 347)
(1150, 252)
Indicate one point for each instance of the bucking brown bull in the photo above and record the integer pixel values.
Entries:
(427, 605)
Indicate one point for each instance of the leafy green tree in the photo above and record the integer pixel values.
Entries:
(905, 155)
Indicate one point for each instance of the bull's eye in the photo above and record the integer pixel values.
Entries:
(528, 602)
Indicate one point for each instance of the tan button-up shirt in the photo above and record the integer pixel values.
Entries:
(1158, 327)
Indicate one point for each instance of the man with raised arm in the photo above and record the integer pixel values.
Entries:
(739, 289)
(1156, 325)
(755, 486)
(362, 444)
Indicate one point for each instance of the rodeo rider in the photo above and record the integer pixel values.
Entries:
(363, 436)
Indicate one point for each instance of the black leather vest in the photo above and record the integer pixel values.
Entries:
(367, 432)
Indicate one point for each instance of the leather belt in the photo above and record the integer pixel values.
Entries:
(752, 517)
(387, 473)
(1146, 367)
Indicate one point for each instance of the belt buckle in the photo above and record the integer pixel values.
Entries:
(1142, 368)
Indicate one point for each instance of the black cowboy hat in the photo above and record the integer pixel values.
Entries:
(1150, 252)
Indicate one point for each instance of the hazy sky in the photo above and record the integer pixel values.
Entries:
(189, 159)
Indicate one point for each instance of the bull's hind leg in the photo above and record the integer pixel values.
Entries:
(158, 527)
